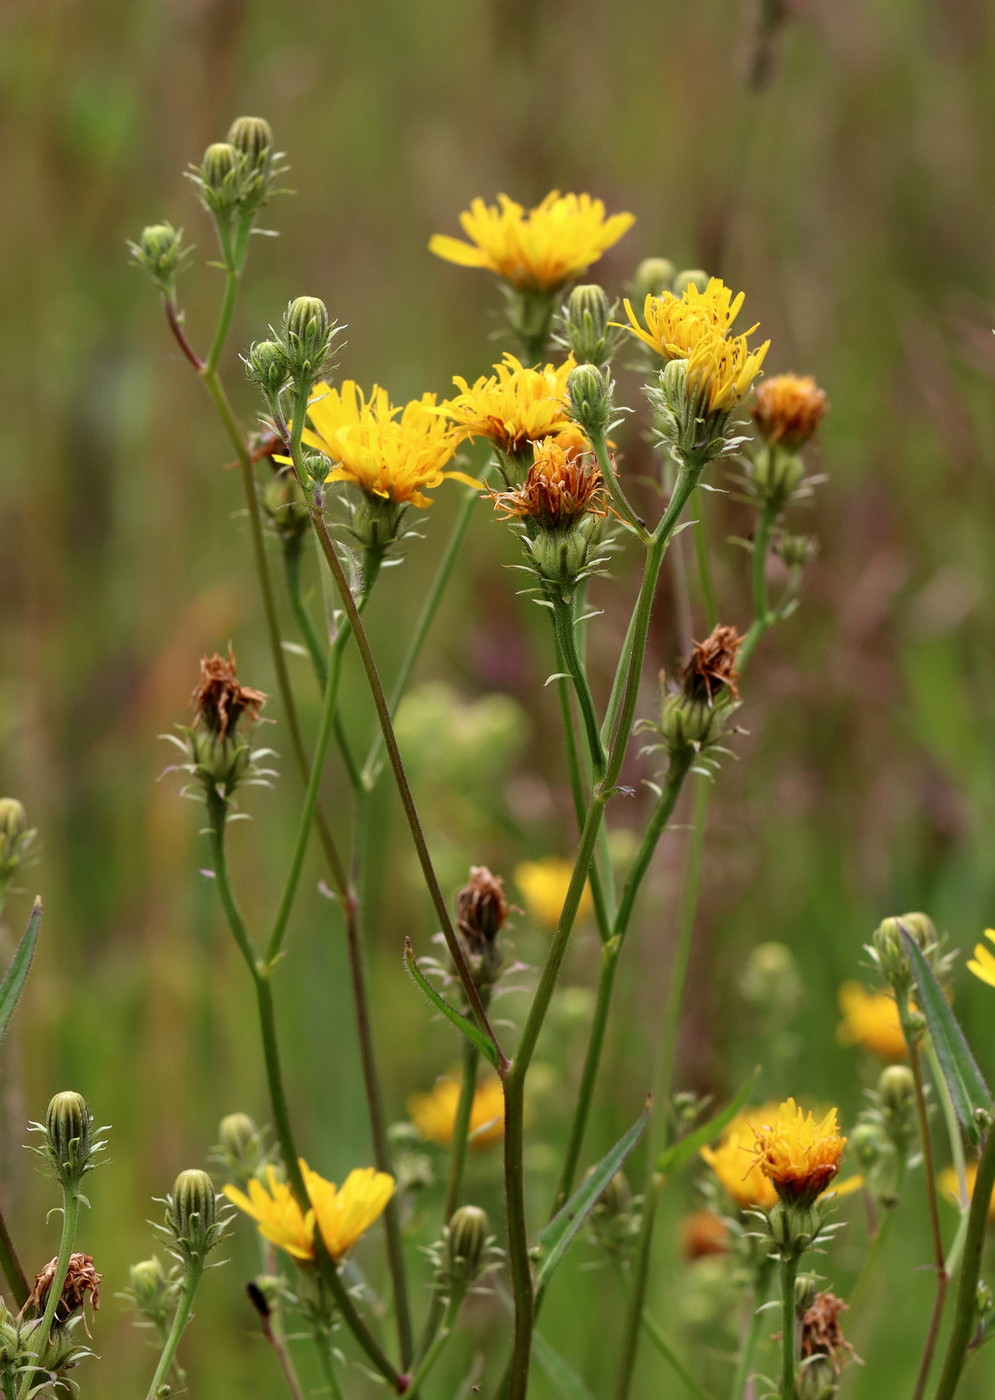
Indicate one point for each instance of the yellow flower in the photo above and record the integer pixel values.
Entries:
(983, 962)
(395, 458)
(535, 251)
(434, 1114)
(515, 406)
(341, 1214)
(544, 885)
(799, 1155)
(675, 325)
(720, 372)
(950, 1186)
(734, 1161)
(871, 1019)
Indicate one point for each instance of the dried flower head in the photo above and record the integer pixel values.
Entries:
(535, 250)
(81, 1282)
(562, 486)
(711, 670)
(434, 1114)
(871, 1019)
(515, 406)
(219, 700)
(821, 1334)
(788, 409)
(481, 908)
(799, 1155)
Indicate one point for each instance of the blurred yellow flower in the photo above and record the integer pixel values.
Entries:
(983, 962)
(341, 1214)
(788, 409)
(950, 1187)
(535, 250)
(544, 885)
(734, 1160)
(797, 1154)
(515, 406)
(395, 458)
(870, 1019)
(434, 1114)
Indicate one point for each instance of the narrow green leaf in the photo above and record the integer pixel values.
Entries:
(564, 1378)
(20, 966)
(554, 1239)
(462, 1023)
(689, 1146)
(968, 1091)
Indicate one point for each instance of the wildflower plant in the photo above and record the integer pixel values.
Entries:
(334, 477)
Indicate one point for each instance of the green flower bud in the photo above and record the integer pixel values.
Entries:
(796, 550)
(591, 391)
(253, 137)
(921, 928)
(192, 1216)
(586, 331)
(307, 337)
(563, 557)
(13, 819)
(888, 951)
(775, 476)
(613, 1222)
(866, 1145)
(692, 277)
(654, 276)
(160, 252)
(806, 1287)
(817, 1379)
(68, 1140)
(467, 1236)
(896, 1088)
(688, 726)
(268, 365)
(150, 1289)
(219, 166)
(316, 467)
(241, 1149)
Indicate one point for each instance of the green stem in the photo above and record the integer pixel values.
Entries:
(762, 617)
(234, 261)
(705, 573)
(180, 1319)
(293, 553)
(461, 1131)
(748, 1345)
(640, 1278)
(563, 626)
(438, 1342)
(619, 501)
(877, 1243)
(653, 1330)
(217, 814)
(70, 1222)
(520, 1265)
(789, 1325)
(371, 767)
(965, 1308)
(11, 1266)
(933, 1206)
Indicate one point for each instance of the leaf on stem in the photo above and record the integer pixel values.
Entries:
(20, 965)
(554, 1239)
(970, 1095)
(462, 1022)
(691, 1144)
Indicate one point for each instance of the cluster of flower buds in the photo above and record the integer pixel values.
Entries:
(218, 752)
(889, 954)
(16, 841)
(21, 1354)
(160, 252)
(293, 358)
(481, 913)
(695, 715)
(886, 1133)
(235, 178)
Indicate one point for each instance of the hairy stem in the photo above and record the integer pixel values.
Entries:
(180, 1319)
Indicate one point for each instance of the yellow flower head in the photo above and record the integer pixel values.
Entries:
(950, 1186)
(538, 250)
(514, 406)
(720, 372)
(734, 1161)
(674, 325)
(544, 885)
(788, 409)
(870, 1019)
(983, 962)
(391, 452)
(563, 485)
(434, 1114)
(797, 1154)
(341, 1214)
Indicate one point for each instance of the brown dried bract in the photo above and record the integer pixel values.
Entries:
(711, 667)
(788, 409)
(481, 908)
(81, 1279)
(821, 1332)
(219, 700)
(562, 486)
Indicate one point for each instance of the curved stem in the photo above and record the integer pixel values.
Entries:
(39, 1340)
(619, 501)
(563, 626)
(180, 1319)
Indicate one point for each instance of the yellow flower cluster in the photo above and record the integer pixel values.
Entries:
(434, 1114)
(396, 453)
(536, 250)
(340, 1214)
(695, 328)
(797, 1154)
(871, 1019)
(515, 406)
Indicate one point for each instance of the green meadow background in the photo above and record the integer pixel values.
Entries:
(843, 175)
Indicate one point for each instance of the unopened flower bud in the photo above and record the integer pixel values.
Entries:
(796, 550)
(806, 1287)
(267, 364)
(218, 167)
(896, 1087)
(307, 337)
(67, 1132)
(653, 277)
(817, 1379)
(585, 325)
(241, 1148)
(775, 476)
(590, 392)
(253, 137)
(613, 1222)
(16, 839)
(160, 252)
(316, 467)
(13, 819)
(691, 277)
(866, 1145)
(788, 409)
(150, 1289)
(466, 1244)
(192, 1216)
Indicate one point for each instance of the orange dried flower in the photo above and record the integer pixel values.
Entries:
(81, 1281)
(220, 700)
(788, 409)
(711, 667)
(563, 485)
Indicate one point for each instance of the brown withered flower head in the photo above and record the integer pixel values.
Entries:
(562, 486)
(821, 1332)
(788, 408)
(82, 1280)
(219, 701)
(711, 667)
(481, 908)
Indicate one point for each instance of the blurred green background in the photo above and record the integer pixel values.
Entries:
(840, 172)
